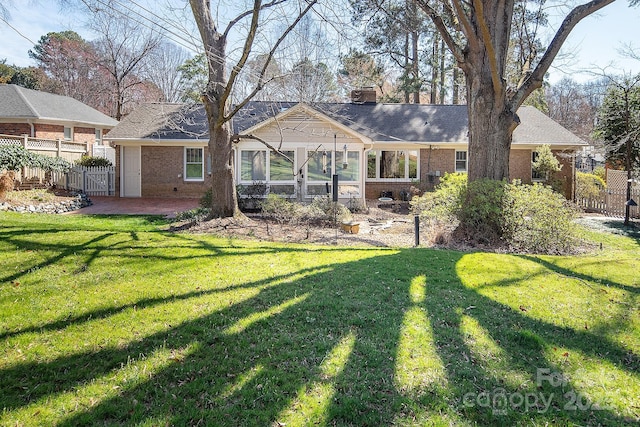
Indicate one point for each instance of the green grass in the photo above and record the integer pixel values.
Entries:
(110, 320)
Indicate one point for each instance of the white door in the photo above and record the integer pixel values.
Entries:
(130, 176)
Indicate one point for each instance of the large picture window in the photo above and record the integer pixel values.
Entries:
(392, 165)
(193, 164)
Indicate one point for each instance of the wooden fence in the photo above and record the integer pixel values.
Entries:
(612, 200)
(94, 181)
(68, 150)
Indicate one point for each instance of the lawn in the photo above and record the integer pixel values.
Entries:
(110, 320)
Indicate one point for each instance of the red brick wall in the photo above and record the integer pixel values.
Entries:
(49, 131)
(18, 129)
(159, 174)
(520, 165)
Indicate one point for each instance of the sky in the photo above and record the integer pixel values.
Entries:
(593, 45)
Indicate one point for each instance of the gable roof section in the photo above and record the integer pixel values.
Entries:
(537, 128)
(163, 121)
(418, 123)
(17, 102)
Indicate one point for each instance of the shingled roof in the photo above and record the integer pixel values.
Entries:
(19, 103)
(419, 123)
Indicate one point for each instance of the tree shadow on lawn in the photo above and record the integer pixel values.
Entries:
(340, 345)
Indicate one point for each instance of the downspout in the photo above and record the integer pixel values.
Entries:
(33, 128)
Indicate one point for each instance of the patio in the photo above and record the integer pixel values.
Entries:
(103, 205)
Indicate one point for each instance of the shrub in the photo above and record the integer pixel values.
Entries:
(13, 157)
(91, 161)
(601, 172)
(441, 205)
(50, 164)
(324, 210)
(536, 219)
(279, 209)
(526, 218)
(206, 199)
(193, 215)
(480, 211)
(588, 185)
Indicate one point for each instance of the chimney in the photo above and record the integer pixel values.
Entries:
(365, 95)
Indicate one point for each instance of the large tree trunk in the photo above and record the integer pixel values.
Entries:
(224, 201)
(491, 126)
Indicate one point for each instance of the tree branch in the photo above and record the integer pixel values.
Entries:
(437, 20)
(534, 80)
(247, 13)
(269, 56)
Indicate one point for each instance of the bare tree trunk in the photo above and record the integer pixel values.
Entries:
(442, 69)
(406, 68)
(434, 69)
(224, 200)
(415, 66)
(491, 125)
(456, 85)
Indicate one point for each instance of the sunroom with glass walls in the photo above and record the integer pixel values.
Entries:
(273, 170)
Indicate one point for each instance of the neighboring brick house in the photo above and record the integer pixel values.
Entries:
(47, 116)
(162, 148)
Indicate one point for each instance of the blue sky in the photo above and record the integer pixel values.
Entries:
(594, 42)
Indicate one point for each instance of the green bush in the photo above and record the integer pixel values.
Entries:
(525, 218)
(279, 209)
(588, 185)
(480, 211)
(324, 210)
(442, 204)
(206, 199)
(13, 157)
(93, 161)
(536, 219)
(50, 164)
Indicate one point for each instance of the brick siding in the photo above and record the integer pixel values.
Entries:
(17, 129)
(162, 174)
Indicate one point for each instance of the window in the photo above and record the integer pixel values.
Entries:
(535, 175)
(193, 164)
(461, 161)
(316, 169)
(253, 165)
(273, 169)
(68, 133)
(352, 171)
(392, 165)
(280, 168)
(99, 136)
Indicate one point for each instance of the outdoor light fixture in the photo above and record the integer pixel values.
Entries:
(324, 161)
(345, 161)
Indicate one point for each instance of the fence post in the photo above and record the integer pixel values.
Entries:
(59, 146)
(25, 140)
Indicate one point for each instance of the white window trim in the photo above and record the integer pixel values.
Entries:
(466, 161)
(186, 179)
(406, 167)
(98, 133)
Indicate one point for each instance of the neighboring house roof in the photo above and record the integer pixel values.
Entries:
(19, 103)
(421, 123)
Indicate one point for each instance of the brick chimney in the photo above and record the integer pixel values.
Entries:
(365, 95)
